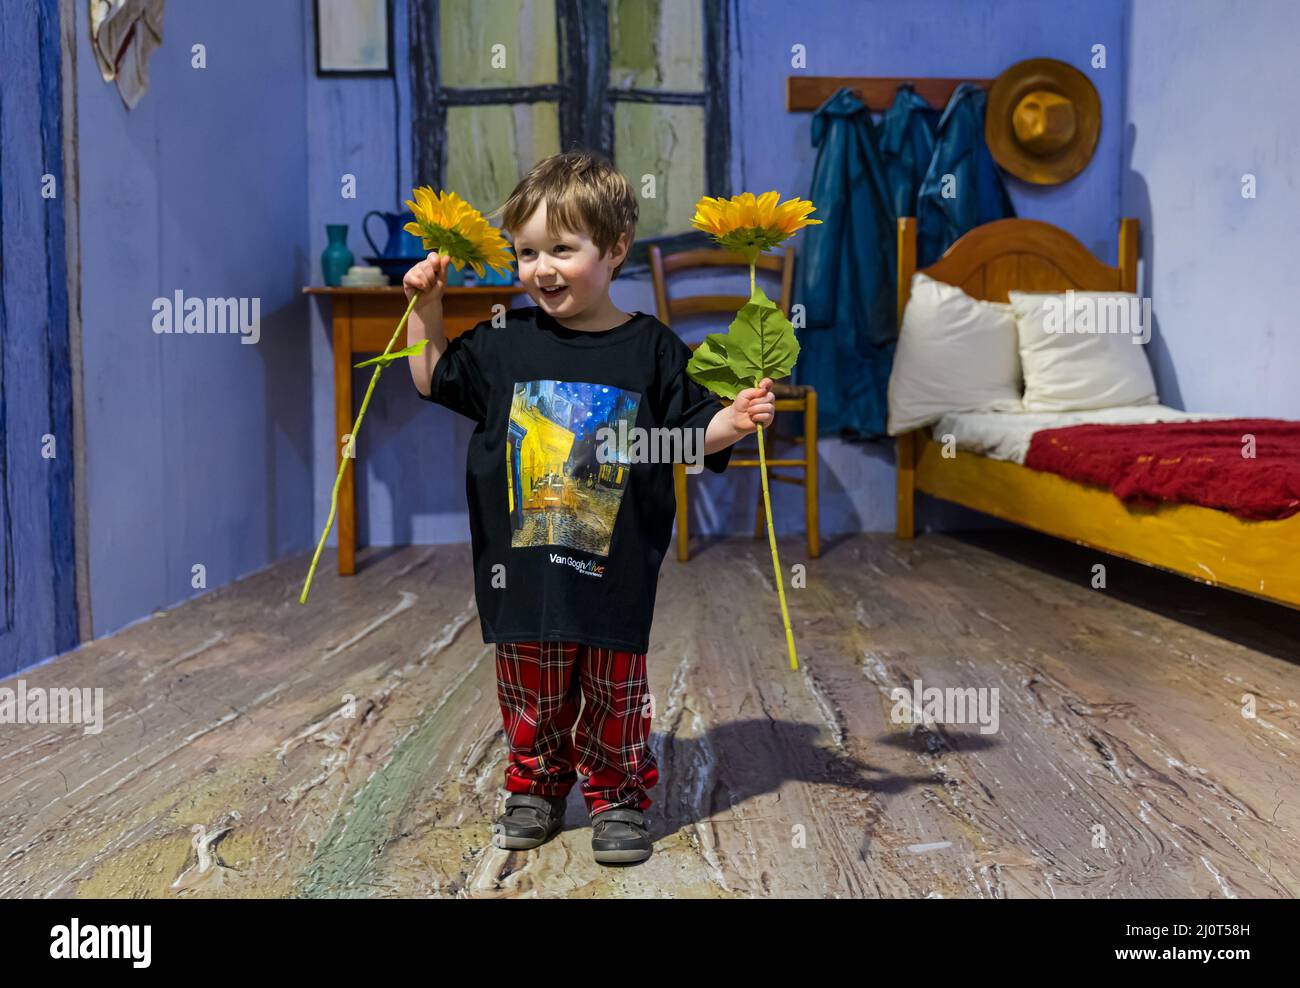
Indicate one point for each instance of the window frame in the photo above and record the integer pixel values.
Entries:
(584, 99)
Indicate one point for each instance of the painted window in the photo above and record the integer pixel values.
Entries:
(500, 85)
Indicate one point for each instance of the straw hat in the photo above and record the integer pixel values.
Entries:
(1042, 120)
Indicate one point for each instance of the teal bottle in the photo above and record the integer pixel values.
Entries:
(336, 259)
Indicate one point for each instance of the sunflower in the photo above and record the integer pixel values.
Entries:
(751, 225)
(449, 224)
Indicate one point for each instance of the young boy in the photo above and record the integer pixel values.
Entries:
(569, 515)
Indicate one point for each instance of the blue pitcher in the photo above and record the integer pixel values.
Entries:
(400, 243)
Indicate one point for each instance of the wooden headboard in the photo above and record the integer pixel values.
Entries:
(1022, 255)
(989, 261)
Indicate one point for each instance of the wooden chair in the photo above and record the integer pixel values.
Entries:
(800, 398)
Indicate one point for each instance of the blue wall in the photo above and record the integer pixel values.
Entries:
(197, 446)
(1211, 98)
(932, 38)
(38, 610)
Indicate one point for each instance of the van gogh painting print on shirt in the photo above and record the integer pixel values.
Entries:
(561, 492)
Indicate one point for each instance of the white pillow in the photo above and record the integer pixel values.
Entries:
(955, 353)
(1069, 365)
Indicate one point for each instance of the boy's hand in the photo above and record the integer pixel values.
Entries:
(428, 277)
(754, 407)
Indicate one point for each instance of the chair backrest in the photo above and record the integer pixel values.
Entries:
(662, 265)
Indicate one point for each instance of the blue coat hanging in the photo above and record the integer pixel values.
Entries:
(907, 134)
(846, 274)
(963, 187)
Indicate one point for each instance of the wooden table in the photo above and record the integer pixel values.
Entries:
(364, 320)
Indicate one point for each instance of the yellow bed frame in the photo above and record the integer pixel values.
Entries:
(1261, 558)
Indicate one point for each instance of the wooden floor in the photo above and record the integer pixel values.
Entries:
(352, 746)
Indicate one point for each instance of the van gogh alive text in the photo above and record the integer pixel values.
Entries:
(587, 567)
(208, 315)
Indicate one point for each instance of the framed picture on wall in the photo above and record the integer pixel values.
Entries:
(354, 37)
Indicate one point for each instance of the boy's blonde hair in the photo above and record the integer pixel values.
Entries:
(583, 192)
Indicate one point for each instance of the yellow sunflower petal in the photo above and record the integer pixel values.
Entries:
(447, 223)
(749, 223)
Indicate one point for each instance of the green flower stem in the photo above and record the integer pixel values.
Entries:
(767, 507)
(776, 564)
(356, 427)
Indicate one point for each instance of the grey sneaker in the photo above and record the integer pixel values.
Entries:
(529, 821)
(618, 836)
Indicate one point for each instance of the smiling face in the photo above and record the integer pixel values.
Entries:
(564, 274)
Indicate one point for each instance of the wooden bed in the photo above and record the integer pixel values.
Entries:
(1261, 558)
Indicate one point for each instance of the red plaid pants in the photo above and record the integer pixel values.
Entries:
(539, 685)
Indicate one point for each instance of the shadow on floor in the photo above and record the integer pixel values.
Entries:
(754, 757)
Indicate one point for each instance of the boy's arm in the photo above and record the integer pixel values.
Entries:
(688, 406)
(723, 431)
(429, 278)
(425, 323)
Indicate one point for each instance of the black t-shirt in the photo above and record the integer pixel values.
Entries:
(568, 521)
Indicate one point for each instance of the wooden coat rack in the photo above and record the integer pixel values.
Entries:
(806, 93)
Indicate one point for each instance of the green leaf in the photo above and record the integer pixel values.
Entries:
(710, 368)
(384, 359)
(760, 343)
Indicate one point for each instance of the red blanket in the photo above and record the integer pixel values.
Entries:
(1192, 462)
